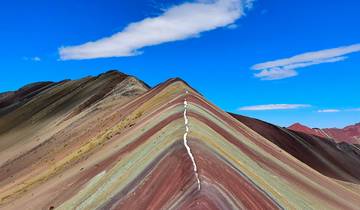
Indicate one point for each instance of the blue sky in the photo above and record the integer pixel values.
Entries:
(249, 55)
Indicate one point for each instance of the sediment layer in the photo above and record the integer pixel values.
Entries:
(110, 142)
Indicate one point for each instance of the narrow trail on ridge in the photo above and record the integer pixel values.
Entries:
(186, 121)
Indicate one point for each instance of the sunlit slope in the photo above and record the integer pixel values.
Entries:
(131, 155)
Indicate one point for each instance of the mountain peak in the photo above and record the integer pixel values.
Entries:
(349, 134)
(113, 72)
(297, 124)
(299, 127)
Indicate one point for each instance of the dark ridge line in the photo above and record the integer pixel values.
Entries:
(107, 73)
(173, 80)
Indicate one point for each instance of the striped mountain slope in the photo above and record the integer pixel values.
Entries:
(110, 142)
(336, 160)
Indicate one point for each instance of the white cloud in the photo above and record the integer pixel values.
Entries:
(36, 58)
(338, 110)
(179, 22)
(273, 107)
(329, 110)
(276, 73)
(284, 68)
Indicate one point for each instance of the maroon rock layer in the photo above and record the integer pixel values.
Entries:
(336, 160)
(349, 134)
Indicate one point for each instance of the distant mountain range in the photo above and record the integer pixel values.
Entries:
(349, 134)
(113, 142)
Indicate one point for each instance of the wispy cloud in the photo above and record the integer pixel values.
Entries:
(179, 22)
(232, 26)
(338, 110)
(287, 67)
(329, 110)
(36, 58)
(249, 4)
(273, 107)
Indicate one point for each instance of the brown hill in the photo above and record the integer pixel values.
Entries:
(336, 160)
(349, 134)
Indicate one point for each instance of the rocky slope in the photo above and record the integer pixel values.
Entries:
(110, 142)
(349, 134)
(336, 160)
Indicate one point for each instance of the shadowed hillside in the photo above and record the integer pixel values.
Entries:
(336, 160)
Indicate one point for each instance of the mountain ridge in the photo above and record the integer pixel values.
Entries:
(126, 151)
(349, 134)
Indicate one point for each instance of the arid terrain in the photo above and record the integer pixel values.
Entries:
(349, 134)
(113, 142)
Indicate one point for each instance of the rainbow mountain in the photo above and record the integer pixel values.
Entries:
(112, 142)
